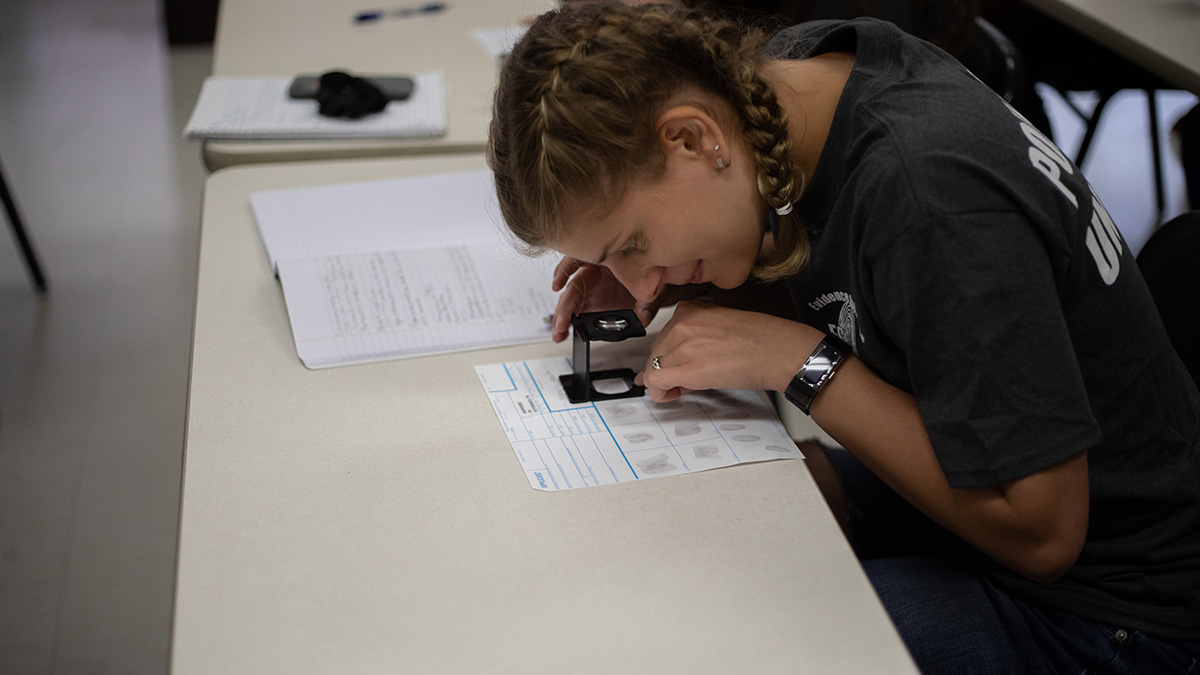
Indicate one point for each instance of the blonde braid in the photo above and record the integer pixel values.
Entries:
(765, 128)
(575, 112)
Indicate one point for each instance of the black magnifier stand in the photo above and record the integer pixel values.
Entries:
(612, 326)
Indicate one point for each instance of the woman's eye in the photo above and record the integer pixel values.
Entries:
(629, 249)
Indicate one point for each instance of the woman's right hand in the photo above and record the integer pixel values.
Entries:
(591, 288)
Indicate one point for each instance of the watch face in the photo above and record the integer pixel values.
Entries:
(816, 369)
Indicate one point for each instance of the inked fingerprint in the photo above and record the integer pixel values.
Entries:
(668, 405)
(656, 464)
(778, 448)
(732, 426)
(687, 428)
(706, 451)
(737, 415)
(638, 436)
(746, 438)
(622, 410)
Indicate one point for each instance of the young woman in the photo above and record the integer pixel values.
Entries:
(1023, 474)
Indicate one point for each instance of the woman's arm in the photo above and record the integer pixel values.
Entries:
(1035, 525)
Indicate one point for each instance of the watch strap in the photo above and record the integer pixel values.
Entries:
(816, 371)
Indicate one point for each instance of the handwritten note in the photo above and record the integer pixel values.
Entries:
(356, 308)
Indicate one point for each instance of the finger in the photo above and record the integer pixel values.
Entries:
(560, 323)
(657, 381)
(563, 271)
(569, 304)
(560, 327)
(665, 395)
(646, 311)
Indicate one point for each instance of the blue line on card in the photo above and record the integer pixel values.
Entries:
(670, 440)
(591, 471)
(557, 463)
(571, 406)
(545, 465)
(604, 459)
(534, 382)
(575, 461)
(512, 385)
(700, 405)
(521, 419)
(619, 448)
(681, 459)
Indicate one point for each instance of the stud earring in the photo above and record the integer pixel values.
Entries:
(720, 162)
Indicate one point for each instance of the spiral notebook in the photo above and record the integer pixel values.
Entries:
(258, 108)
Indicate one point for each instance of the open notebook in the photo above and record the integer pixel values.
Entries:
(397, 268)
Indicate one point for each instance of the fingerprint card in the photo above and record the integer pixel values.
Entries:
(563, 445)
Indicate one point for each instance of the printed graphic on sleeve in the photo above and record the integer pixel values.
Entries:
(1102, 238)
(846, 327)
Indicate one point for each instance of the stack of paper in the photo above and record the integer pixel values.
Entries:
(258, 108)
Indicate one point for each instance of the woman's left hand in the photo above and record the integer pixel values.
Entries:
(708, 347)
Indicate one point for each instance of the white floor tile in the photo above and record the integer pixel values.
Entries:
(93, 375)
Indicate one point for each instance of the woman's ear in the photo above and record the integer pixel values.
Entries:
(691, 131)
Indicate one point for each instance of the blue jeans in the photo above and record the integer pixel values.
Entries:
(954, 620)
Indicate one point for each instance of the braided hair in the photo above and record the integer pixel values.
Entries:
(575, 111)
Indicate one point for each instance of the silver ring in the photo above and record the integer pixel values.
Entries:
(655, 364)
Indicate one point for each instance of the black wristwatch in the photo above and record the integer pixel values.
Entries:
(816, 371)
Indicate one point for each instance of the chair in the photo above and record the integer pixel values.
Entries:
(953, 25)
(1170, 263)
(1069, 61)
(18, 228)
(996, 61)
(14, 221)
(1092, 122)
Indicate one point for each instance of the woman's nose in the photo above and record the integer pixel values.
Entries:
(643, 283)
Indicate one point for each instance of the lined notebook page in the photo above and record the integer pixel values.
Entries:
(358, 308)
(258, 108)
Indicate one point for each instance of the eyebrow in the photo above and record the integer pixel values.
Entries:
(607, 247)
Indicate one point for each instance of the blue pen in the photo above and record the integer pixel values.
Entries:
(398, 12)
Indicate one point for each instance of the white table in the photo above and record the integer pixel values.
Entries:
(290, 37)
(374, 519)
(1162, 36)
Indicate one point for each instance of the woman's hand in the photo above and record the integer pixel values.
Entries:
(591, 288)
(710, 347)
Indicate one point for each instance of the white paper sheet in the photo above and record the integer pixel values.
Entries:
(563, 445)
(258, 108)
(498, 41)
(382, 215)
(364, 307)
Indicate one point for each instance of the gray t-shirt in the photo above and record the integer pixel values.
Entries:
(970, 263)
